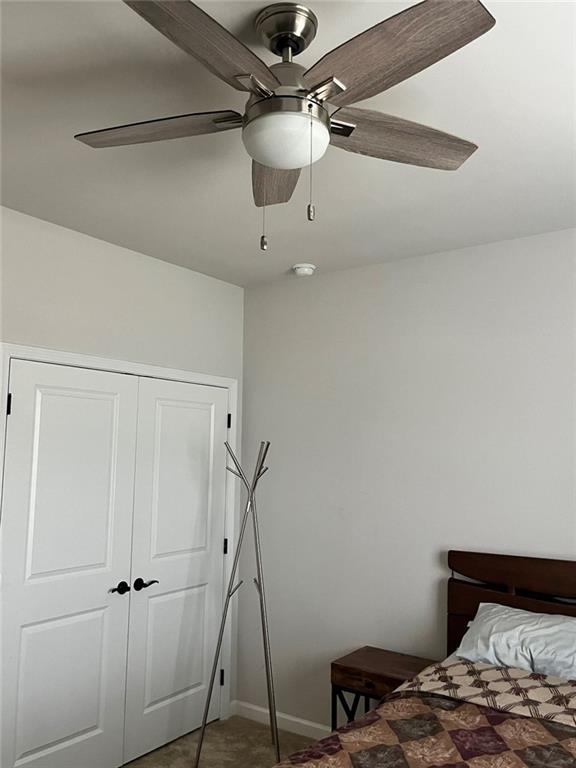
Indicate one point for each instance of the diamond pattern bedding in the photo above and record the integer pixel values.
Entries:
(458, 715)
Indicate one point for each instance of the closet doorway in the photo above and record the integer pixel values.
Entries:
(113, 525)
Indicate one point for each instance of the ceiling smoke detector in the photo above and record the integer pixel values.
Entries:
(304, 270)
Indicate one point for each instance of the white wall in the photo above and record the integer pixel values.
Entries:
(64, 290)
(412, 407)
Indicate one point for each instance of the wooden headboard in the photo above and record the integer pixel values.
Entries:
(531, 583)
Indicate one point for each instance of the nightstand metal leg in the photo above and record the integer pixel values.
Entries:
(354, 707)
(350, 710)
(334, 709)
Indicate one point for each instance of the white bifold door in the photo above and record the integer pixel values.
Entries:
(111, 482)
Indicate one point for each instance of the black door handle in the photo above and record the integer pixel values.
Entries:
(141, 584)
(122, 587)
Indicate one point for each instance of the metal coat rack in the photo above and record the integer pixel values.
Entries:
(249, 511)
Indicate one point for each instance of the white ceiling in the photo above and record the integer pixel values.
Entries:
(77, 66)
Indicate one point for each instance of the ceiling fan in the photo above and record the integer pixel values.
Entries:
(293, 114)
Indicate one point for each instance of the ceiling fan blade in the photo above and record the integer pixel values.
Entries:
(392, 138)
(400, 46)
(197, 33)
(273, 185)
(164, 128)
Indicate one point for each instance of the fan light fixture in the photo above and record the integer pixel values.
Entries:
(283, 139)
(293, 113)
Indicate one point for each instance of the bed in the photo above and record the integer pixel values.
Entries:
(464, 714)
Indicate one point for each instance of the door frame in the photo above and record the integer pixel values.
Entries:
(9, 352)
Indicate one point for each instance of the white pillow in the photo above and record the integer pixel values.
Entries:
(510, 637)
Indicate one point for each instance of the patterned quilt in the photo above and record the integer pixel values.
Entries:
(458, 715)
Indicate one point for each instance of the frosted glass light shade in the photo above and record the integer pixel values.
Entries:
(282, 140)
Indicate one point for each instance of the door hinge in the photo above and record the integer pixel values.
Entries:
(229, 421)
(225, 546)
(9, 404)
(221, 677)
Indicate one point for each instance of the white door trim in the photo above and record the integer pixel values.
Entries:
(9, 351)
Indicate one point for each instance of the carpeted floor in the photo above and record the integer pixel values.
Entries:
(233, 743)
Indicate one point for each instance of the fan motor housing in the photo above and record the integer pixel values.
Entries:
(287, 104)
(286, 26)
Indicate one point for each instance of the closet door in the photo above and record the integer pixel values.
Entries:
(66, 539)
(178, 550)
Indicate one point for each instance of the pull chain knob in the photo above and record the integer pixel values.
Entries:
(311, 209)
(263, 238)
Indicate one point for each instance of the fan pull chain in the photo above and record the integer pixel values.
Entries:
(263, 238)
(311, 210)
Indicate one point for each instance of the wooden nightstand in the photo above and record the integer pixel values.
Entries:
(369, 673)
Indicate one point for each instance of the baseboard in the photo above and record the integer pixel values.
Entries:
(285, 722)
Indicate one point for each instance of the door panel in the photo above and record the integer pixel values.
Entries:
(66, 540)
(178, 536)
(182, 477)
(74, 645)
(170, 672)
(85, 422)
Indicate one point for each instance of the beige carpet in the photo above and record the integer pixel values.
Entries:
(233, 743)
